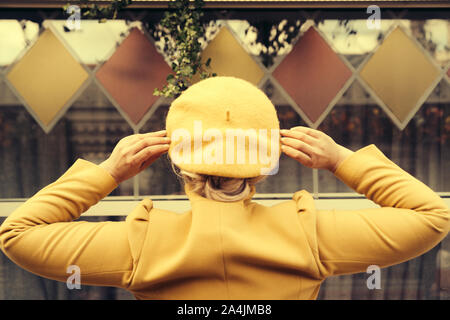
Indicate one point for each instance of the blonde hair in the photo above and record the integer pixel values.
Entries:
(218, 188)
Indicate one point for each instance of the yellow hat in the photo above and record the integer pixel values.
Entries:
(224, 126)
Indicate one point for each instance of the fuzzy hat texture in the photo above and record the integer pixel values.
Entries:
(224, 126)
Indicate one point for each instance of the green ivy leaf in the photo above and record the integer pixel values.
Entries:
(181, 28)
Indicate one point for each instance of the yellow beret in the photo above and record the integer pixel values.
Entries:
(224, 126)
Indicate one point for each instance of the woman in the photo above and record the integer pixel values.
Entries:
(226, 246)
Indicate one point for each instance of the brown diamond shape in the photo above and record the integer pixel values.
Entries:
(312, 74)
(132, 73)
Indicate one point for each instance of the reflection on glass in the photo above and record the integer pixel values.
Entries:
(422, 148)
(354, 38)
(415, 279)
(267, 40)
(15, 36)
(159, 178)
(292, 176)
(344, 125)
(95, 41)
(432, 139)
(433, 35)
(32, 159)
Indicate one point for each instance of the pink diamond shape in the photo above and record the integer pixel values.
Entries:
(132, 73)
(312, 74)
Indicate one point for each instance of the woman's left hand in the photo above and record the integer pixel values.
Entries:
(135, 153)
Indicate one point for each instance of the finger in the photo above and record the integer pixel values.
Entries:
(297, 155)
(150, 160)
(299, 135)
(298, 144)
(309, 131)
(147, 142)
(160, 133)
(149, 152)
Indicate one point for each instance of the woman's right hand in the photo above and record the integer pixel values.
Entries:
(135, 153)
(313, 148)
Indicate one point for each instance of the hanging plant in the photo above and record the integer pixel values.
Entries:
(181, 27)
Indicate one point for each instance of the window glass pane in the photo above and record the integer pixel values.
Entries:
(292, 176)
(15, 36)
(407, 122)
(422, 148)
(159, 178)
(267, 38)
(31, 158)
(416, 279)
(352, 38)
(94, 42)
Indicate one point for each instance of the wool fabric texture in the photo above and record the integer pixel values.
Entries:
(209, 111)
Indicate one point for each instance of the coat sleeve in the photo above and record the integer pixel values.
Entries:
(41, 236)
(411, 220)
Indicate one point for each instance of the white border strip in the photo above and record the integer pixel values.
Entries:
(179, 204)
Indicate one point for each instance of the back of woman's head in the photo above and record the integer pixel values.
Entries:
(224, 137)
(218, 188)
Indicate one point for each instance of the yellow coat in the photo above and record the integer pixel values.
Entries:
(219, 250)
